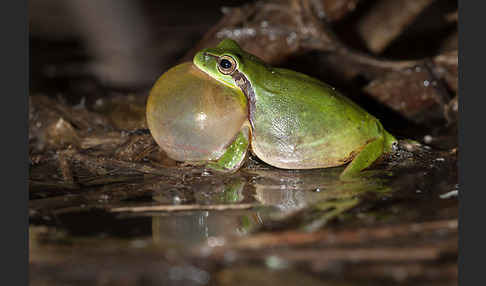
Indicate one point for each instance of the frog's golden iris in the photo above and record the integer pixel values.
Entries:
(227, 65)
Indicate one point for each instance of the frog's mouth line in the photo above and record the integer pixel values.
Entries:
(244, 84)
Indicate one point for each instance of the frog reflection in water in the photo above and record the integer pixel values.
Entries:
(292, 121)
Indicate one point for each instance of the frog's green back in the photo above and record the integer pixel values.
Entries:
(304, 123)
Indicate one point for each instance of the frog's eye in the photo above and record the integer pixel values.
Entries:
(226, 65)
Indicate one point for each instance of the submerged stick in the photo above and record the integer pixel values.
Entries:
(265, 240)
(172, 208)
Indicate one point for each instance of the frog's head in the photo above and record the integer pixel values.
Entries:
(224, 60)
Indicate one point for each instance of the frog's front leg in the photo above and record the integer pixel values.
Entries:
(235, 154)
(365, 158)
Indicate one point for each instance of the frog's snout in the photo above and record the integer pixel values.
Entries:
(198, 57)
(201, 58)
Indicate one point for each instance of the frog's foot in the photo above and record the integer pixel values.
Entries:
(235, 154)
(364, 159)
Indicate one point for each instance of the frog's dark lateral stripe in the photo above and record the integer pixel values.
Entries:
(244, 84)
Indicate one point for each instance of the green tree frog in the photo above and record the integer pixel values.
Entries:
(293, 121)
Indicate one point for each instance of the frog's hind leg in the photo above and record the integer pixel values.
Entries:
(235, 154)
(365, 158)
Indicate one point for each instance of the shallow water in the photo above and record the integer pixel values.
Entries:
(210, 229)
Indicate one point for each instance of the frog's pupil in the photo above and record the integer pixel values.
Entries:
(226, 64)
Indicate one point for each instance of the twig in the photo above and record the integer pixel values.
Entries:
(390, 254)
(265, 240)
(376, 62)
(172, 208)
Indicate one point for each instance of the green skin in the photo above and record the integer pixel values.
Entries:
(294, 121)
